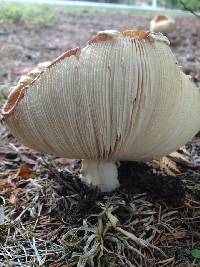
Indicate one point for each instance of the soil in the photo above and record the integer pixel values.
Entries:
(169, 188)
(22, 47)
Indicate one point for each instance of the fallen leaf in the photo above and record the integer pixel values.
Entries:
(24, 172)
(168, 166)
(196, 253)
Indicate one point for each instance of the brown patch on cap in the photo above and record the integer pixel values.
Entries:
(15, 96)
(73, 52)
(135, 34)
(100, 38)
(160, 18)
(19, 91)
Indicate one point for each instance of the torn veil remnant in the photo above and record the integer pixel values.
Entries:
(163, 24)
(122, 97)
(18, 91)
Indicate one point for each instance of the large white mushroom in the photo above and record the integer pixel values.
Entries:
(122, 97)
(163, 24)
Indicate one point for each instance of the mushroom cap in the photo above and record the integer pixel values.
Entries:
(123, 96)
(163, 24)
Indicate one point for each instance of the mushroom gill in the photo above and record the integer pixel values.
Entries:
(122, 97)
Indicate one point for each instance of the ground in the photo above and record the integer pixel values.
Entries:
(51, 218)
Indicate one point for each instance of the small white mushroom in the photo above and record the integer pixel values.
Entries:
(122, 97)
(163, 24)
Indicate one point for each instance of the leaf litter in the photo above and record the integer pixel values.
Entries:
(48, 217)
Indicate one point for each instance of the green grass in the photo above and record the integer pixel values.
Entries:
(45, 15)
(38, 15)
(30, 15)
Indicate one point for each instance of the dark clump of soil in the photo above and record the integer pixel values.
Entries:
(139, 177)
(77, 200)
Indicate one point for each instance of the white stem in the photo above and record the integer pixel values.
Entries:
(101, 174)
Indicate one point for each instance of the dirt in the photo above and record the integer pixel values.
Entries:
(21, 47)
(164, 204)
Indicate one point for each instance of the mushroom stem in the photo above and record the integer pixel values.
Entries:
(101, 174)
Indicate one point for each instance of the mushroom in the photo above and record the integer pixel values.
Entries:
(163, 24)
(40, 67)
(26, 80)
(122, 97)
